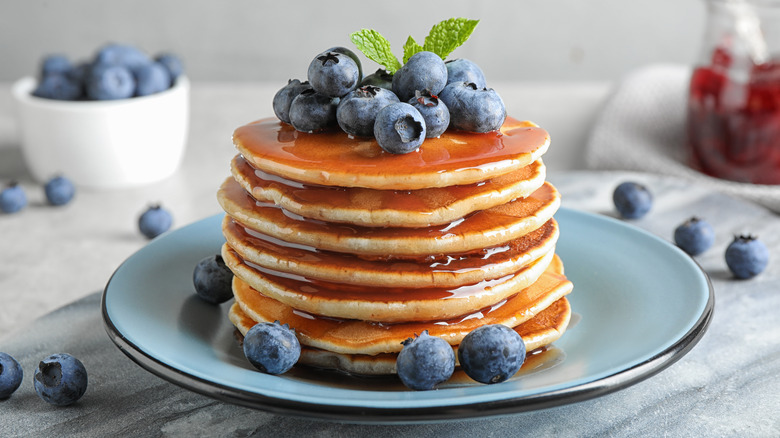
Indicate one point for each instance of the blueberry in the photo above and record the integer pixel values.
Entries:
(60, 379)
(154, 221)
(151, 78)
(423, 71)
(55, 64)
(121, 55)
(746, 256)
(491, 353)
(311, 111)
(357, 110)
(172, 63)
(424, 362)
(272, 348)
(380, 78)
(463, 70)
(59, 190)
(12, 198)
(59, 87)
(472, 108)
(333, 74)
(632, 200)
(694, 236)
(10, 375)
(352, 55)
(434, 112)
(284, 97)
(399, 128)
(213, 279)
(109, 82)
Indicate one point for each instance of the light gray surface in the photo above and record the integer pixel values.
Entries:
(726, 386)
(272, 40)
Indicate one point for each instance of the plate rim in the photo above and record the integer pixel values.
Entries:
(597, 387)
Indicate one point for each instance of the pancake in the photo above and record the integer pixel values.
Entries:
(482, 229)
(379, 304)
(387, 208)
(334, 159)
(451, 270)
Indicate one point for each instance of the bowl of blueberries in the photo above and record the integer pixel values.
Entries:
(119, 119)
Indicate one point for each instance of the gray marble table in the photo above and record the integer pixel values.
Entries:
(726, 386)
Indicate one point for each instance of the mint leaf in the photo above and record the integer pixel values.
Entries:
(376, 48)
(449, 35)
(410, 48)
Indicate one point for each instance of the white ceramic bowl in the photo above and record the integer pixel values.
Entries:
(104, 144)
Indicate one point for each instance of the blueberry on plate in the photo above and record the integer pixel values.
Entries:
(59, 190)
(491, 353)
(746, 256)
(424, 362)
(10, 375)
(311, 111)
(433, 111)
(60, 379)
(58, 87)
(380, 78)
(284, 97)
(172, 63)
(472, 108)
(272, 348)
(357, 111)
(423, 71)
(463, 70)
(399, 128)
(109, 82)
(632, 200)
(12, 198)
(151, 78)
(694, 236)
(333, 74)
(213, 279)
(154, 221)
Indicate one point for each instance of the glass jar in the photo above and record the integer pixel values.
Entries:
(733, 121)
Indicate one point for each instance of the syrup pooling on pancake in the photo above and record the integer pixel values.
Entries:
(383, 208)
(423, 271)
(486, 228)
(332, 158)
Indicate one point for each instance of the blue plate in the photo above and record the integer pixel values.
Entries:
(639, 305)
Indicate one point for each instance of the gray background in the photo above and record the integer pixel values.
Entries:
(243, 40)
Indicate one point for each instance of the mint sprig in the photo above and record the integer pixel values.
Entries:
(443, 39)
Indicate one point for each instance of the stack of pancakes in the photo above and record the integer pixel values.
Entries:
(358, 249)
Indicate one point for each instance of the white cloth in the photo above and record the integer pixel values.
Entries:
(642, 128)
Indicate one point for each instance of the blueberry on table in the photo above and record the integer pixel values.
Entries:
(433, 111)
(12, 198)
(473, 108)
(213, 280)
(151, 78)
(694, 236)
(423, 71)
(399, 128)
(284, 97)
(632, 200)
(272, 348)
(60, 379)
(333, 74)
(424, 362)
(311, 111)
(463, 70)
(58, 87)
(154, 221)
(491, 353)
(59, 190)
(357, 111)
(109, 82)
(746, 256)
(10, 375)
(380, 78)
